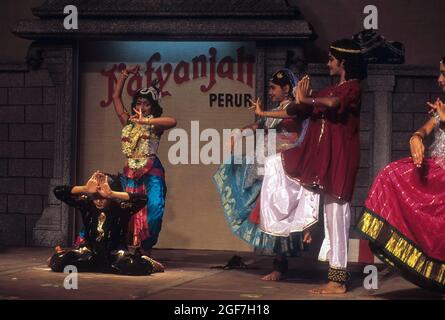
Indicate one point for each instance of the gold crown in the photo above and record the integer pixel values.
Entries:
(346, 50)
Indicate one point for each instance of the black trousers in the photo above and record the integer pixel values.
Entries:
(116, 261)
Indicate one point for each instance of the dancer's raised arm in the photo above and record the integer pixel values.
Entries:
(121, 112)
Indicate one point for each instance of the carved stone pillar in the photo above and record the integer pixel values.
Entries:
(53, 226)
(383, 88)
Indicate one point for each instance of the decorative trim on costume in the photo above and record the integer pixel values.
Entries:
(139, 221)
(272, 123)
(149, 260)
(290, 232)
(248, 232)
(148, 168)
(392, 247)
(338, 275)
(313, 185)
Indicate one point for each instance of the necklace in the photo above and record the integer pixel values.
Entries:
(283, 104)
(273, 122)
(344, 81)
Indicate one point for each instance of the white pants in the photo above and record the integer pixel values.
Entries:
(287, 206)
(337, 219)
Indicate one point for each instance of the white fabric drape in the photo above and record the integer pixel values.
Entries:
(287, 206)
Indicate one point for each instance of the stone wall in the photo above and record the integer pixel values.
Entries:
(409, 109)
(27, 105)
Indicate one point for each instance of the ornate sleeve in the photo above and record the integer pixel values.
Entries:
(136, 202)
(63, 193)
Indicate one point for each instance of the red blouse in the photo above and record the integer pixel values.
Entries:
(329, 155)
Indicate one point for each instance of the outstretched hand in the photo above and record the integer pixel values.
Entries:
(104, 188)
(439, 107)
(303, 89)
(138, 117)
(257, 106)
(417, 150)
(92, 184)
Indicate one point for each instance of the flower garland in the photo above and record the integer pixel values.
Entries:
(135, 144)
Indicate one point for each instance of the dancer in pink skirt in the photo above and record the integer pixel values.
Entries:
(404, 217)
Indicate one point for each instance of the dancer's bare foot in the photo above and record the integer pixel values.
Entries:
(330, 288)
(273, 276)
(307, 237)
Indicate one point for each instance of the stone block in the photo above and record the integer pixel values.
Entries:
(25, 132)
(12, 114)
(24, 204)
(38, 78)
(12, 149)
(25, 95)
(410, 102)
(37, 186)
(25, 167)
(402, 122)
(41, 150)
(40, 114)
(12, 185)
(11, 79)
(12, 229)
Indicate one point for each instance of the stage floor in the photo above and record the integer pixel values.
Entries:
(189, 276)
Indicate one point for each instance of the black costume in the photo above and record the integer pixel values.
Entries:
(105, 247)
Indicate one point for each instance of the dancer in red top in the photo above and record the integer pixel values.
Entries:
(326, 163)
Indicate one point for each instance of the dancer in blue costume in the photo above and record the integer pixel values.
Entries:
(143, 171)
(239, 183)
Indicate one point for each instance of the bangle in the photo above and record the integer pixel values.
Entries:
(313, 102)
(419, 134)
(413, 136)
(124, 73)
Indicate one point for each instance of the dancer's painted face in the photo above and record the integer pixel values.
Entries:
(100, 202)
(334, 65)
(143, 105)
(441, 79)
(277, 93)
